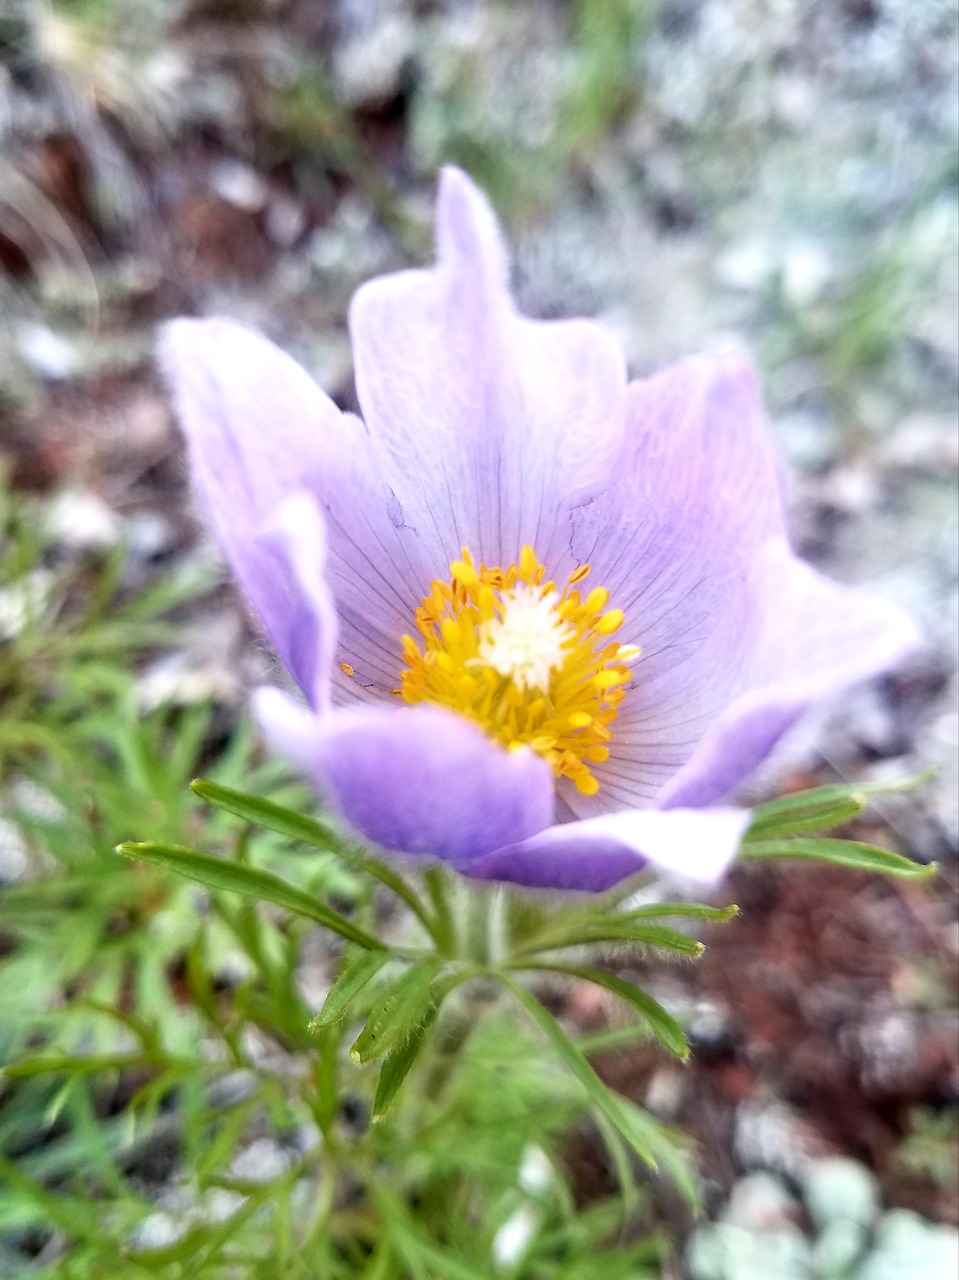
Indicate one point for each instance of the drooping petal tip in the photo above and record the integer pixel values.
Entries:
(419, 781)
(595, 854)
(258, 430)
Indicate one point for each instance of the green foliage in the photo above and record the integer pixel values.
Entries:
(782, 827)
(931, 1147)
(162, 1008)
(150, 1018)
(518, 136)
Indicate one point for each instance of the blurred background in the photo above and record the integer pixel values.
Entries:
(778, 175)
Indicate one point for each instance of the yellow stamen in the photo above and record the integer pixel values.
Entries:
(532, 665)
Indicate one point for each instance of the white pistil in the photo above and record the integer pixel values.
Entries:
(528, 641)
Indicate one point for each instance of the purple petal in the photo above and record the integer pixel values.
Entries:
(297, 540)
(495, 426)
(675, 541)
(253, 420)
(414, 780)
(815, 638)
(595, 854)
(259, 430)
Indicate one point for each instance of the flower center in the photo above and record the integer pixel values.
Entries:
(532, 664)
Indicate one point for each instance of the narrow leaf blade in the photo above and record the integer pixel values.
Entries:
(663, 1025)
(350, 982)
(822, 807)
(400, 1061)
(842, 853)
(296, 826)
(818, 810)
(641, 1131)
(401, 1057)
(692, 910)
(405, 1003)
(218, 873)
(592, 930)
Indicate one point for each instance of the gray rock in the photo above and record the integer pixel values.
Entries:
(838, 1189)
(908, 1247)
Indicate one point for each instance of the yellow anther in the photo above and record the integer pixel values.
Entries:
(609, 622)
(464, 573)
(597, 599)
(611, 677)
(530, 663)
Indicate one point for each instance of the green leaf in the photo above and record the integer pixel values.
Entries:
(350, 982)
(401, 1057)
(810, 811)
(663, 1025)
(296, 826)
(843, 853)
(647, 1138)
(666, 1145)
(821, 807)
(694, 910)
(406, 1002)
(399, 1062)
(592, 930)
(218, 873)
(61, 1064)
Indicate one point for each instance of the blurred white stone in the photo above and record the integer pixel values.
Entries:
(82, 521)
(924, 442)
(851, 489)
(770, 1135)
(806, 273)
(514, 1237)
(908, 1247)
(745, 266)
(50, 355)
(729, 1252)
(369, 65)
(840, 1188)
(839, 1246)
(664, 1092)
(23, 602)
(761, 1203)
(536, 1172)
(285, 221)
(261, 1161)
(14, 852)
(178, 679)
(239, 185)
(149, 534)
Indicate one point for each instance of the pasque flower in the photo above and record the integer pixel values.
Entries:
(545, 619)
